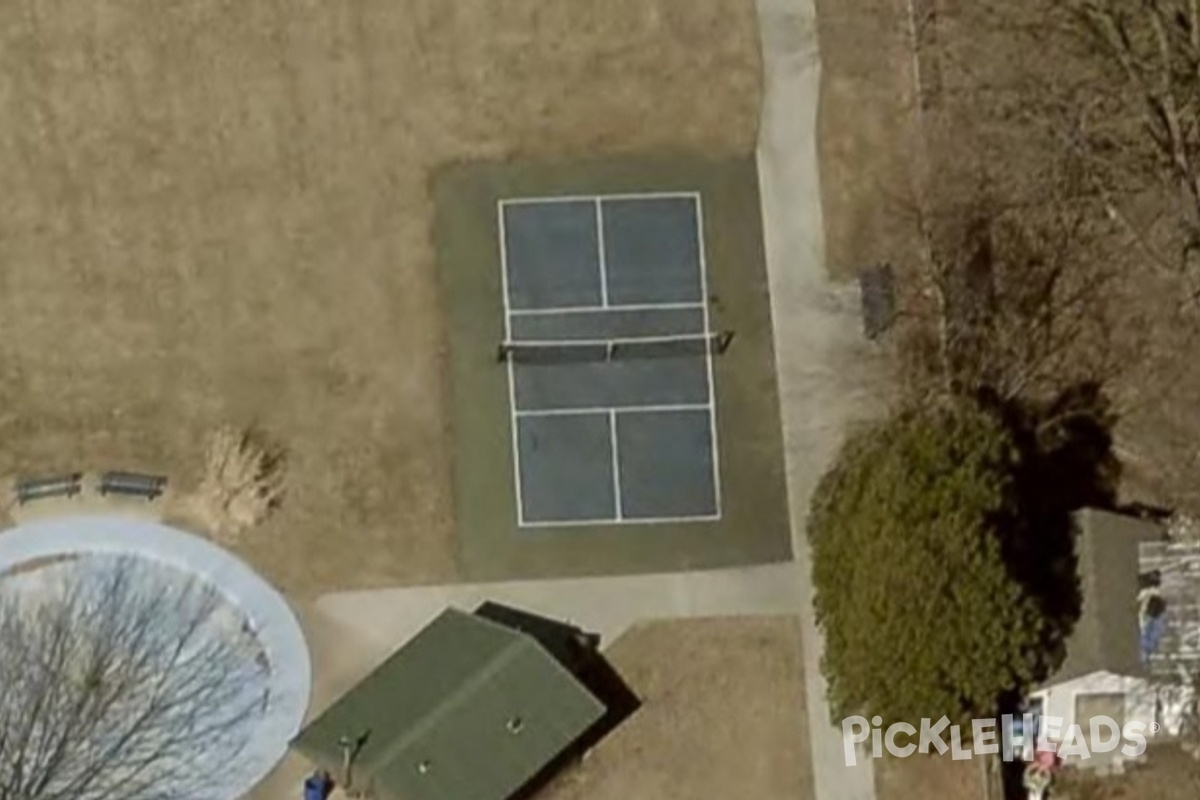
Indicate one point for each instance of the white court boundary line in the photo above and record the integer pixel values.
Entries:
(515, 415)
(275, 626)
(610, 522)
(588, 198)
(512, 385)
(616, 464)
(631, 307)
(712, 386)
(600, 255)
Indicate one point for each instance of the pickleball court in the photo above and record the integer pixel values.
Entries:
(610, 358)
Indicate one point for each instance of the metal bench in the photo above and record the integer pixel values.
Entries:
(132, 483)
(53, 486)
(878, 287)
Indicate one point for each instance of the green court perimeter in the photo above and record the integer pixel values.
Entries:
(752, 526)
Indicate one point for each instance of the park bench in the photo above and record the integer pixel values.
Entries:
(53, 486)
(878, 289)
(132, 483)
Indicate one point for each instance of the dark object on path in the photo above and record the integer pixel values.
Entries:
(318, 786)
(878, 287)
(54, 486)
(132, 483)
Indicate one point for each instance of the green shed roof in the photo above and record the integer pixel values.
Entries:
(466, 710)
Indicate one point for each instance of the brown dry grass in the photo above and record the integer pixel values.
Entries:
(866, 134)
(723, 716)
(216, 212)
(1167, 774)
(921, 777)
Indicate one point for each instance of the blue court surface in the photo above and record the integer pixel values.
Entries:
(609, 352)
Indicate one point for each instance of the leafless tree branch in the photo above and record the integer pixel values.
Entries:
(122, 681)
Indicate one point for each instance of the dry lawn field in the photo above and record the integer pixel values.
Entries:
(723, 716)
(922, 777)
(866, 131)
(216, 212)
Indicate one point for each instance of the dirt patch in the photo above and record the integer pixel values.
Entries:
(217, 213)
(723, 715)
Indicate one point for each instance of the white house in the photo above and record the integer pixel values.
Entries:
(1104, 673)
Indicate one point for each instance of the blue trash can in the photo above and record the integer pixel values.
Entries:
(318, 786)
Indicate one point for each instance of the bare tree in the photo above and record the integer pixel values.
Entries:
(122, 680)
(1111, 85)
(1007, 281)
(1003, 300)
(1144, 118)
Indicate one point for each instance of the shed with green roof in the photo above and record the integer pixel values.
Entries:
(469, 709)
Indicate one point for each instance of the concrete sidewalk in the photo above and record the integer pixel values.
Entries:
(827, 372)
(606, 605)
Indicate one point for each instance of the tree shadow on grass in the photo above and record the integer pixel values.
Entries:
(1067, 463)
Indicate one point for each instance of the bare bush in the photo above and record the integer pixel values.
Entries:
(121, 682)
(243, 483)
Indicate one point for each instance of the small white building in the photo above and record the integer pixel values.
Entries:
(1104, 672)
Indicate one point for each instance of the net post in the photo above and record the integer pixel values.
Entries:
(723, 340)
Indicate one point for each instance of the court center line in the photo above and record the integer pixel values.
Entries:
(616, 465)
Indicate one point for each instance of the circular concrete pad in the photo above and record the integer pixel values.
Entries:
(272, 621)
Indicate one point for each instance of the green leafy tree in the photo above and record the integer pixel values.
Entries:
(921, 615)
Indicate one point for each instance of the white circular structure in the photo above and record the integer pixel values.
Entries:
(271, 619)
